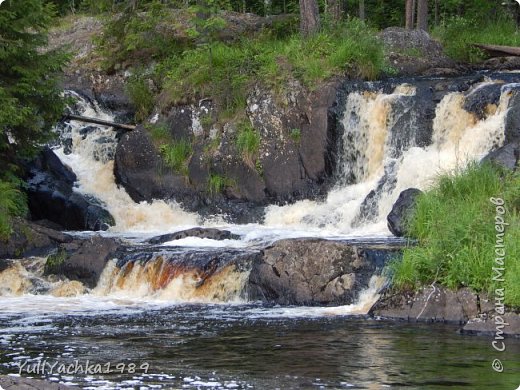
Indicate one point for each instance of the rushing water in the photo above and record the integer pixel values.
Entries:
(185, 338)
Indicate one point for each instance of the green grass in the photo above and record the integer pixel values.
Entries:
(455, 226)
(54, 262)
(225, 72)
(141, 96)
(159, 132)
(217, 183)
(13, 203)
(248, 143)
(296, 135)
(457, 35)
(176, 155)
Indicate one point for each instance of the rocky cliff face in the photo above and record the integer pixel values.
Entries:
(292, 160)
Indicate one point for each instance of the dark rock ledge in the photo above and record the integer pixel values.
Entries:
(475, 313)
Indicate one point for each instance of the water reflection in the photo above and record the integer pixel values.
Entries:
(219, 346)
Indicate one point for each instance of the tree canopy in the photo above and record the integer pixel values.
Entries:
(30, 98)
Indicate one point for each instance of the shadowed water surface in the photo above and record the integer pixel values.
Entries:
(249, 346)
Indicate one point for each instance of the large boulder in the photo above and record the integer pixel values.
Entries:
(310, 272)
(512, 130)
(506, 156)
(292, 162)
(414, 52)
(402, 211)
(52, 197)
(31, 239)
(139, 168)
(479, 99)
(83, 259)
(486, 325)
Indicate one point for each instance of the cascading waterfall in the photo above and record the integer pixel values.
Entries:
(382, 155)
(374, 161)
(91, 158)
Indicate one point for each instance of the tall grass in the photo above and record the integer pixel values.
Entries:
(217, 183)
(176, 154)
(141, 96)
(455, 225)
(224, 72)
(12, 203)
(247, 143)
(458, 34)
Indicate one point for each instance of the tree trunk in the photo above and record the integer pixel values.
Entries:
(422, 15)
(309, 17)
(362, 9)
(334, 9)
(409, 14)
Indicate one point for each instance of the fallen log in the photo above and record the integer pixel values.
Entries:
(498, 51)
(99, 122)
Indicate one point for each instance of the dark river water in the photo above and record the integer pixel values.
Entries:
(247, 346)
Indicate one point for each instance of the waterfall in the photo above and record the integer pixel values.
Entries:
(382, 154)
(89, 151)
(385, 148)
(381, 159)
(162, 279)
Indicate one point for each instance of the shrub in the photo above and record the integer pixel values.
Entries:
(296, 135)
(141, 96)
(224, 71)
(12, 203)
(159, 133)
(217, 183)
(455, 226)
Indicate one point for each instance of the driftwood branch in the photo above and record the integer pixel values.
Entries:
(99, 122)
(498, 51)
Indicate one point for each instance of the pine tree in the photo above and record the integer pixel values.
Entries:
(30, 98)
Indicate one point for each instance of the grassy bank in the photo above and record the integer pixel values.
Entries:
(198, 59)
(455, 226)
(458, 34)
(225, 71)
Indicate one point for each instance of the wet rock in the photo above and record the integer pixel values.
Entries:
(18, 383)
(478, 100)
(430, 304)
(401, 212)
(212, 234)
(500, 64)
(512, 131)
(310, 272)
(51, 196)
(508, 156)
(486, 325)
(30, 239)
(83, 259)
(140, 169)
